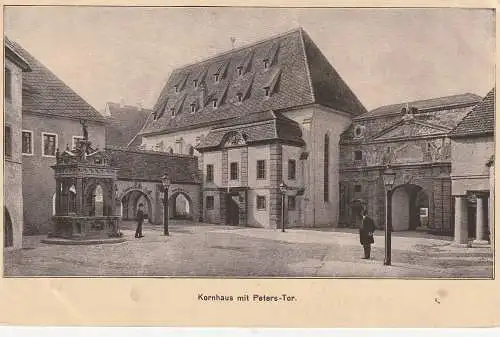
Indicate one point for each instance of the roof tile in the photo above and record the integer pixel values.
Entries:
(480, 120)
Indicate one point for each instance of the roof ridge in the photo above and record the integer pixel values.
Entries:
(125, 149)
(246, 46)
(428, 99)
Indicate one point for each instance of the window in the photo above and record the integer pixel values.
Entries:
(210, 173)
(216, 78)
(27, 142)
(239, 96)
(357, 188)
(261, 169)
(291, 203)
(8, 84)
(261, 202)
(49, 144)
(267, 91)
(193, 107)
(239, 70)
(326, 169)
(266, 63)
(176, 88)
(195, 83)
(234, 171)
(358, 155)
(291, 169)
(214, 103)
(8, 142)
(210, 202)
(172, 112)
(75, 140)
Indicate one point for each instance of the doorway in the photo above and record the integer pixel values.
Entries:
(8, 233)
(232, 210)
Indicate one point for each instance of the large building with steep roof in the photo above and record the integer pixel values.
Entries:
(473, 173)
(257, 116)
(52, 113)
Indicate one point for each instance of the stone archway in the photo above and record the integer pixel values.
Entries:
(130, 202)
(410, 207)
(180, 205)
(8, 231)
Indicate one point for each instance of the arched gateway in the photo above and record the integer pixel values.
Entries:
(410, 207)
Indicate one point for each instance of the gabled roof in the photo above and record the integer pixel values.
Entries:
(123, 123)
(298, 74)
(433, 104)
(410, 129)
(479, 121)
(151, 166)
(255, 128)
(45, 93)
(12, 55)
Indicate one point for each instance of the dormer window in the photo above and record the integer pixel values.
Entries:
(266, 63)
(193, 107)
(172, 112)
(239, 97)
(239, 70)
(176, 88)
(216, 78)
(267, 91)
(195, 83)
(214, 103)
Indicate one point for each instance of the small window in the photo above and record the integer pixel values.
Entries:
(292, 167)
(357, 188)
(75, 140)
(195, 83)
(210, 173)
(210, 202)
(267, 91)
(261, 169)
(266, 63)
(176, 88)
(233, 171)
(27, 142)
(239, 70)
(214, 103)
(193, 107)
(172, 112)
(261, 202)
(49, 144)
(8, 142)
(239, 97)
(216, 78)
(8, 84)
(358, 155)
(291, 203)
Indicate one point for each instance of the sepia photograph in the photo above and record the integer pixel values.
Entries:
(249, 142)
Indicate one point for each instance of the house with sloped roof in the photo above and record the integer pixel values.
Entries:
(124, 123)
(413, 138)
(257, 116)
(52, 113)
(473, 174)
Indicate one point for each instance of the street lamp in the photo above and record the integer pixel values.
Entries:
(389, 177)
(283, 189)
(165, 180)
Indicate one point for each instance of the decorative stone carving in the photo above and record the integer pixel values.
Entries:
(235, 139)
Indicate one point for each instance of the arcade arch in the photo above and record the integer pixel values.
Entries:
(130, 203)
(8, 231)
(410, 207)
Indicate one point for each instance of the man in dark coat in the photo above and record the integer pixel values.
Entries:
(140, 219)
(366, 234)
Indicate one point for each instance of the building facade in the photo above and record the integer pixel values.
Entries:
(473, 174)
(52, 115)
(413, 139)
(255, 90)
(15, 66)
(123, 123)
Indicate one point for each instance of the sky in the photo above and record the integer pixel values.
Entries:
(385, 55)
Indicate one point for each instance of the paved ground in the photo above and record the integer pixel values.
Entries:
(219, 251)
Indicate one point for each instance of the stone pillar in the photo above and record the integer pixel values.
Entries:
(461, 235)
(479, 221)
(244, 166)
(275, 177)
(224, 168)
(58, 197)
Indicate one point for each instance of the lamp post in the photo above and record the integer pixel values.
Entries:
(165, 180)
(283, 189)
(389, 177)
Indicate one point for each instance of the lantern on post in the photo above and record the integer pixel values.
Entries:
(389, 177)
(283, 189)
(165, 181)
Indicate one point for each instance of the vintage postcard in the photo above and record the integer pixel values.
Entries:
(329, 160)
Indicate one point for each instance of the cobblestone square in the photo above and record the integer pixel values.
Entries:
(198, 250)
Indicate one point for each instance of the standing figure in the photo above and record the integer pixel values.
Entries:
(140, 219)
(366, 234)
